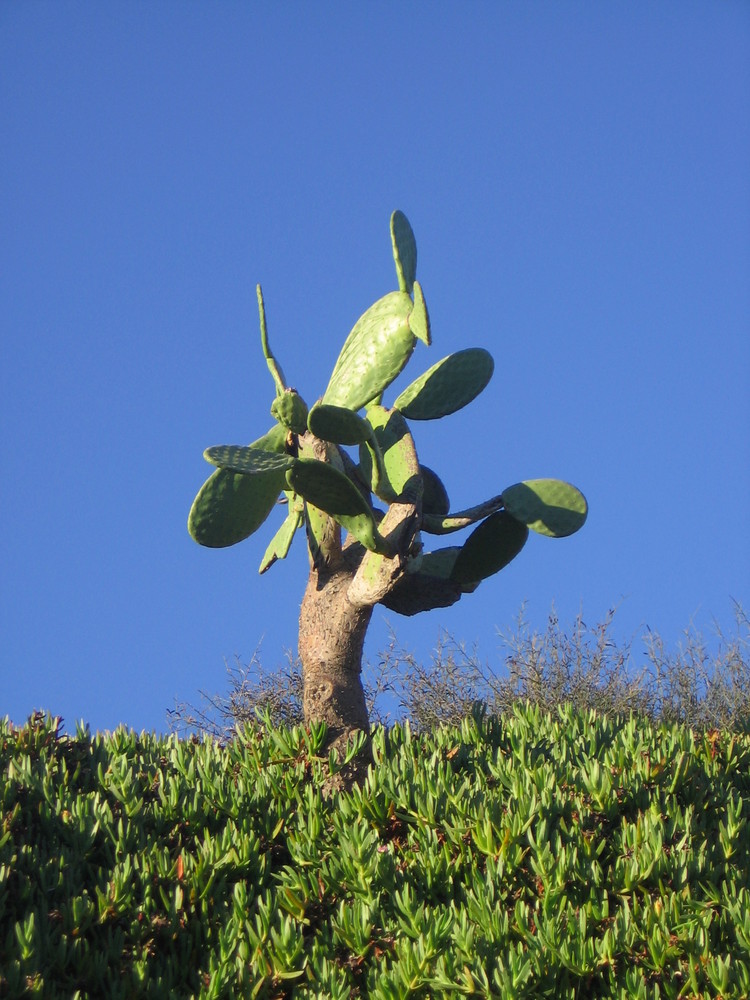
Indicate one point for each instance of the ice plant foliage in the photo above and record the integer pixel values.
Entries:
(378, 492)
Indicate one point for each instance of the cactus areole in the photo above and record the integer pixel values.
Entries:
(347, 473)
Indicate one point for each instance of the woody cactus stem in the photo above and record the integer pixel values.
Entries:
(359, 554)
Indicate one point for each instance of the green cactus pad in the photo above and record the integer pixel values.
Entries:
(490, 547)
(404, 251)
(290, 410)
(373, 354)
(435, 500)
(403, 480)
(439, 563)
(230, 507)
(447, 386)
(247, 460)
(419, 320)
(330, 491)
(281, 542)
(547, 506)
(337, 424)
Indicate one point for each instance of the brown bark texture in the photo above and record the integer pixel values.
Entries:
(345, 583)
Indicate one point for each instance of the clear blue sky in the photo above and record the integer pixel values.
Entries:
(577, 178)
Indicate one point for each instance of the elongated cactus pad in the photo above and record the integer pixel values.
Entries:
(547, 506)
(404, 251)
(490, 547)
(281, 542)
(338, 424)
(403, 475)
(330, 491)
(447, 386)
(373, 354)
(230, 507)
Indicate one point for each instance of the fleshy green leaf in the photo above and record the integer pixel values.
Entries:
(447, 386)
(419, 320)
(338, 424)
(490, 547)
(247, 460)
(373, 354)
(229, 507)
(547, 506)
(332, 492)
(404, 251)
(281, 542)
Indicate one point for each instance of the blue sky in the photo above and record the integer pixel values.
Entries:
(577, 178)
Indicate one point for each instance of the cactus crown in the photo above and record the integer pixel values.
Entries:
(325, 488)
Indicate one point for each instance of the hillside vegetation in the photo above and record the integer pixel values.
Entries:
(539, 854)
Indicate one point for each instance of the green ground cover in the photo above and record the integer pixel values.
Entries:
(536, 855)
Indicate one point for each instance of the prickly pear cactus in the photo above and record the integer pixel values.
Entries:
(236, 500)
(302, 466)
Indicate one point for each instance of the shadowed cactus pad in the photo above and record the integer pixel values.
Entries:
(435, 499)
(490, 547)
(447, 386)
(332, 492)
(547, 506)
(404, 251)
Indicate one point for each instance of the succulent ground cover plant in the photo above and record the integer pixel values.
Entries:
(365, 514)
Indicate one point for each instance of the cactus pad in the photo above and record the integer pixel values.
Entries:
(230, 507)
(419, 321)
(490, 547)
(400, 462)
(247, 460)
(547, 506)
(281, 542)
(332, 492)
(447, 386)
(404, 251)
(373, 354)
(435, 500)
(337, 424)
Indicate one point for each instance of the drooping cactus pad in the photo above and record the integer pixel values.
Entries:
(490, 547)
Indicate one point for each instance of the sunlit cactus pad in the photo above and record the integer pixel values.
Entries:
(449, 385)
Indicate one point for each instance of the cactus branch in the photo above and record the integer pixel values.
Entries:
(273, 366)
(437, 525)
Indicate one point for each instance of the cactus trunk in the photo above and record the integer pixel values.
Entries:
(331, 638)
